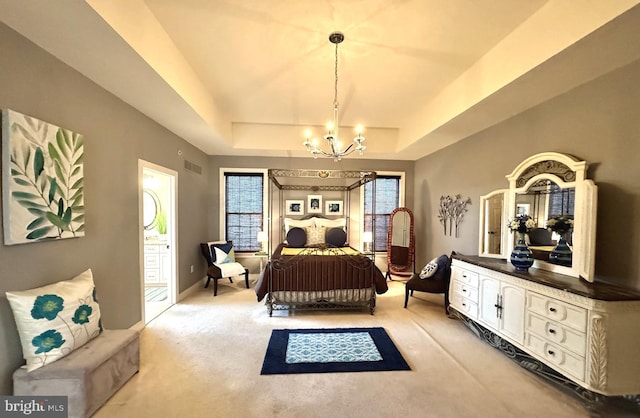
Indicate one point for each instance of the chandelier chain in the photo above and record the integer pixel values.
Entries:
(335, 88)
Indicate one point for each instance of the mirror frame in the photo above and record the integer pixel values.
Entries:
(505, 232)
(409, 268)
(565, 171)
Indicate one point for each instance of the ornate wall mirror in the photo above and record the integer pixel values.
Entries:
(401, 242)
(547, 186)
(493, 230)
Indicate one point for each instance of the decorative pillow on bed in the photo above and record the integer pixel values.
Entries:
(223, 253)
(315, 235)
(299, 223)
(430, 269)
(54, 320)
(336, 237)
(296, 237)
(332, 223)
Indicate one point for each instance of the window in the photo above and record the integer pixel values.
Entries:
(387, 198)
(561, 201)
(243, 201)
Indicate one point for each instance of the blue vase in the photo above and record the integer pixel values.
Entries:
(521, 256)
(561, 254)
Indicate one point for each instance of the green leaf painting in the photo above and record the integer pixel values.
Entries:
(43, 180)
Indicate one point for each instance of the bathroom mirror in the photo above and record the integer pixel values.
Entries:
(150, 209)
(545, 186)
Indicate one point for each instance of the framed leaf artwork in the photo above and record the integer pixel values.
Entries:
(42, 180)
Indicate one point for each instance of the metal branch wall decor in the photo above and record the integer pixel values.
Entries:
(42, 180)
(451, 212)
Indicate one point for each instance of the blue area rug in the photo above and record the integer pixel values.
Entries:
(330, 351)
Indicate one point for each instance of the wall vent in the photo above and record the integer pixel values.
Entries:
(192, 167)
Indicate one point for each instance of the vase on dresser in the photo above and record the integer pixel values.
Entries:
(521, 256)
(562, 254)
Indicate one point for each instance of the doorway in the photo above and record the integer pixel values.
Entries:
(157, 238)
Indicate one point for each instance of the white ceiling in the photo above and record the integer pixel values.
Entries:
(247, 77)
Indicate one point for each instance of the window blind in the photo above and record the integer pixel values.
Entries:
(244, 209)
(387, 198)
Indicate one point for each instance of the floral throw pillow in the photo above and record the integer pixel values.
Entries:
(54, 320)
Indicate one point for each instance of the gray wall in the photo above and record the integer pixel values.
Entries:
(116, 136)
(216, 162)
(597, 122)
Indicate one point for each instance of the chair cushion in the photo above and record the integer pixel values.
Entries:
(230, 269)
(296, 237)
(222, 253)
(336, 237)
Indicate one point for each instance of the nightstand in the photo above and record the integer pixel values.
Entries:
(262, 257)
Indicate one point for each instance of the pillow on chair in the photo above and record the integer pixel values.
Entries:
(223, 253)
(430, 269)
(433, 266)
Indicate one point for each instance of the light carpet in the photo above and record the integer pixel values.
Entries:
(202, 358)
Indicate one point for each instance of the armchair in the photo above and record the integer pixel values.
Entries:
(221, 263)
(437, 282)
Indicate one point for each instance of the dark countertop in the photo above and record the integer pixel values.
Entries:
(578, 286)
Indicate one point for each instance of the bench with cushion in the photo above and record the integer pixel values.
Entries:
(89, 375)
(66, 349)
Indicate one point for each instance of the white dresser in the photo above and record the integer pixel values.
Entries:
(587, 332)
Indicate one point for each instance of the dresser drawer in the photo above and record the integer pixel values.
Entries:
(151, 249)
(566, 314)
(151, 261)
(464, 305)
(464, 276)
(564, 360)
(555, 333)
(151, 276)
(466, 291)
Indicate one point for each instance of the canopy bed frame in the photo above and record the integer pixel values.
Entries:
(326, 274)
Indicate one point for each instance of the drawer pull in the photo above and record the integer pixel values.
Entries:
(552, 309)
(464, 304)
(552, 331)
(464, 275)
(464, 290)
(551, 352)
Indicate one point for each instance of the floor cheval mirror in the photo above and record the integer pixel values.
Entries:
(400, 243)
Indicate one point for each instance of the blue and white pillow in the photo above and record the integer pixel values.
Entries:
(54, 320)
(430, 269)
(223, 253)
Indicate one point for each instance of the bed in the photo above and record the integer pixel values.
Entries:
(313, 266)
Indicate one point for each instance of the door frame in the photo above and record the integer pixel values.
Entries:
(172, 227)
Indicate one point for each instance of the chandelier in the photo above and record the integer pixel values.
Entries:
(332, 138)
